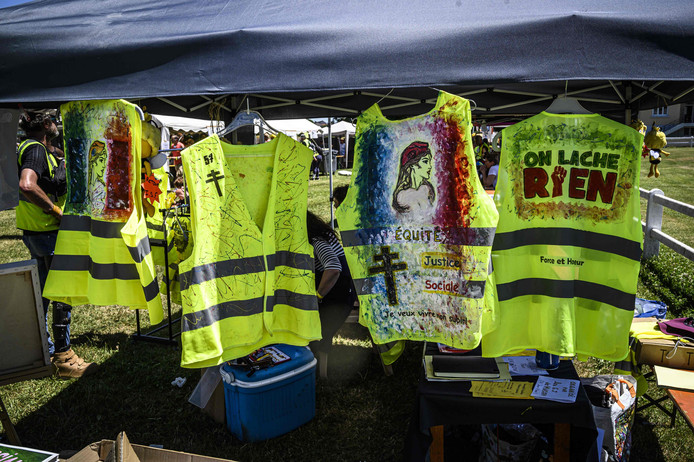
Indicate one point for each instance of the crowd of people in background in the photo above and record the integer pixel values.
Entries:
(487, 161)
(178, 142)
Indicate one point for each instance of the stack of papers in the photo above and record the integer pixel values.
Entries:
(524, 365)
(561, 390)
(674, 378)
(506, 390)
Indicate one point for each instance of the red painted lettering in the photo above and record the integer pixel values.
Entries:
(577, 183)
(534, 182)
(596, 184)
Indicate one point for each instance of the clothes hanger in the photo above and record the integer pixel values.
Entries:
(566, 105)
(245, 118)
(563, 104)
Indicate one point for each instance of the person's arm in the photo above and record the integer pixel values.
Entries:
(327, 282)
(56, 151)
(331, 265)
(32, 191)
(487, 178)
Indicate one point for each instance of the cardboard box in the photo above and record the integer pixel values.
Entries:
(656, 352)
(122, 451)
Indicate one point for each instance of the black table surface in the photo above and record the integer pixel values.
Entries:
(452, 403)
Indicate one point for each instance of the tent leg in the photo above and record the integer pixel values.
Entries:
(627, 109)
(330, 172)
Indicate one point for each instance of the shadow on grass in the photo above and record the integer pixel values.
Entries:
(11, 238)
(102, 341)
(360, 413)
(645, 446)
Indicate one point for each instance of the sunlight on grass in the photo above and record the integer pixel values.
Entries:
(349, 341)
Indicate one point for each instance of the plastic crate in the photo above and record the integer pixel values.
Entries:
(272, 401)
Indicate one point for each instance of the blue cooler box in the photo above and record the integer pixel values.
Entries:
(272, 401)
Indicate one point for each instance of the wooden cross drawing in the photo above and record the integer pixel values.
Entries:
(388, 269)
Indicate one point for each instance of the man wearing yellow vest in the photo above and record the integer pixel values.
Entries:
(43, 184)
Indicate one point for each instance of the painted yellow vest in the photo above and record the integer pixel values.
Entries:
(155, 223)
(568, 244)
(30, 217)
(249, 281)
(417, 228)
(102, 255)
(151, 141)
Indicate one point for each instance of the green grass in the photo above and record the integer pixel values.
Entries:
(360, 413)
(670, 277)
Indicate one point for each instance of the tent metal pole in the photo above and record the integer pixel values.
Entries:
(627, 105)
(330, 171)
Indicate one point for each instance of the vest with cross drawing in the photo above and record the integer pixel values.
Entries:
(249, 281)
(417, 228)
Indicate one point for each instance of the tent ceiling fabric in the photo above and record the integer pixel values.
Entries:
(303, 59)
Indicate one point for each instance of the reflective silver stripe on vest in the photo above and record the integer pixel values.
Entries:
(151, 290)
(566, 289)
(155, 227)
(141, 250)
(103, 271)
(237, 308)
(160, 243)
(293, 299)
(123, 271)
(567, 236)
(387, 236)
(247, 265)
(103, 229)
(469, 289)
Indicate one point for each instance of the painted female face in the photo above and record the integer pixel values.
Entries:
(422, 169)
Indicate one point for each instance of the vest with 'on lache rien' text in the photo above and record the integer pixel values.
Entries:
(567, 248)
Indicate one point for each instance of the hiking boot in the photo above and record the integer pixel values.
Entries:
(71, 366)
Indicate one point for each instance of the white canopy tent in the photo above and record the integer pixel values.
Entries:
(292, 127)
(343, 128)
(187, 124)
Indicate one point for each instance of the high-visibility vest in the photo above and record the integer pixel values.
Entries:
(151, 141)
(249, 281)
(568, 244)
(179, 247)
(417, 228)
(102, 254)
(155, 223)
(30, 217)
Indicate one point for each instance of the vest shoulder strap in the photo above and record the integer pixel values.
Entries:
(50, 160)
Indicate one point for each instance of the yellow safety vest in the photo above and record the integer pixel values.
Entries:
(155, 223)
(29, 216)
(249, 281)
(568, 244)
(151, 141)
(417, 228)
(102, 255)
(179, 247)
